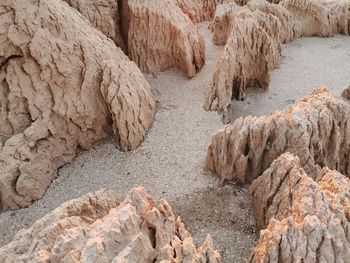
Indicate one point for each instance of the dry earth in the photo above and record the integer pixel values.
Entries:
(169, 162)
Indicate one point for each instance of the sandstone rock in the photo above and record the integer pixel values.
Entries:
(198, 11)
(321, 18)
(316, 129)
(346, 93)
(63, 85)
(103, 15)
(307, 220)
(161, 36)
(96, 228)
(238, 69)
(226, 14)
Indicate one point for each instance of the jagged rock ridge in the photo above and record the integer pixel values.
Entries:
(63, 85)
(98, 228)
(316, 129)
(305, 220)
(160, 37)
(259, 27)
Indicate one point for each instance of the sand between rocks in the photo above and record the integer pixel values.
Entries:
(169, 162)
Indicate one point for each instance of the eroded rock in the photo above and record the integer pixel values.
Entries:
(346, 93)
(103, 15)
(97, 228)
(259, 27)
(305, 220)
(63, 85)
(316, 129)
(161, 36)
(321, 18)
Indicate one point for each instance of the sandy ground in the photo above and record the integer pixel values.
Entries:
(169, 162)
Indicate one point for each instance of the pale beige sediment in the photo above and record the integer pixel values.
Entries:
(302, 219)
(316, 129)
(64, 85)
(97, 228)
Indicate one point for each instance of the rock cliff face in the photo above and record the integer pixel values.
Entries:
(160, 36)
(63, 85)
(316, 129)
(258, 27)
(305, 220)
(103, 15)
(96, 228)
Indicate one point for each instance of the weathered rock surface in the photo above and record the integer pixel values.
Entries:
(96, 228)
(161, 36)
(307, 220)
(238, 69)
(346, 93)
(103, 15)
(226, 14)
(316, 129)
(63, 85)
(321, 18)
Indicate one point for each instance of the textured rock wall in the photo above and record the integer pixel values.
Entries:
(316, 129)
(63, 85)
(96, 228)
(305, 220)
(161, 36)
(103, 15)
(238, 69)
(321, 18)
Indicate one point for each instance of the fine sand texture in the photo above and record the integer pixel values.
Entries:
(169, 163)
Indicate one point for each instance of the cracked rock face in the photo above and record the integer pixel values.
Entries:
(316, 129)
(103, 15)
(63, 85)
(304, 220)
(160, 36)
(255, 27)
(97, 228)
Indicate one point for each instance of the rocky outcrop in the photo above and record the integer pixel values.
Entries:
(260, 27)
(238, 69)
(305, 220)
(198, 11)
(226, 14)
(316, 129)
(63, 85)
(96, 228)
(321, 18)
(161, 36)
(346, 93)
(103, 15)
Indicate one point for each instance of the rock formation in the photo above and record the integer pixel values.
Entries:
(321, 18)
(260, 25)
(96, 228)
(305, 220)
(316, 129)
(346, 93)
(103, 15)
(63, 85)
(160, 37)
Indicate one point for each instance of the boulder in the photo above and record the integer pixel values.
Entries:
(316, 129)
(97, 228)
(103, 15)
(63, 85)
(303, 220)
(346, 93)
(160, 37)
